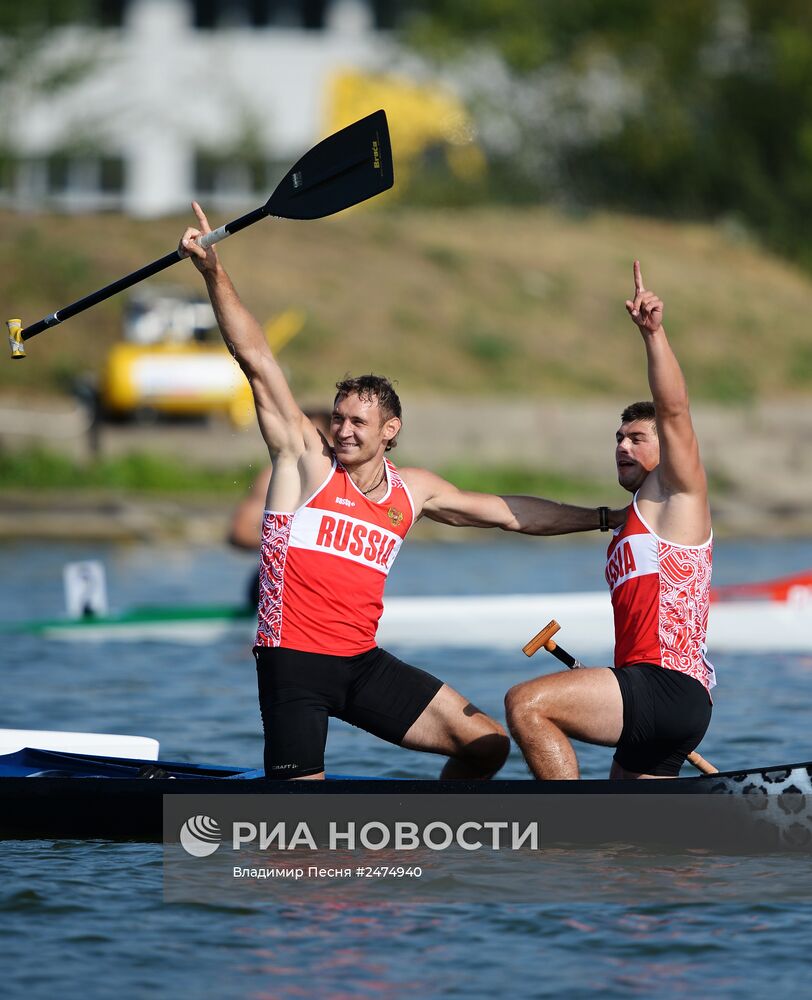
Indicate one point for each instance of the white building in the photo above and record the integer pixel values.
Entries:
(183, 98)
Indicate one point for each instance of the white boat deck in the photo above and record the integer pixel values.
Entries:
(104, 744)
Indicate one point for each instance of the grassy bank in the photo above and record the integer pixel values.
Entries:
(146, 474)
(475, 301)
(42, 470)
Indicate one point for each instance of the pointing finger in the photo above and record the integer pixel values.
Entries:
(201, 217)
(638, 279)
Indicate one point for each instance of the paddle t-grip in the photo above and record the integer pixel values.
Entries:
(15, 338)
(544, 639)
(541, 638)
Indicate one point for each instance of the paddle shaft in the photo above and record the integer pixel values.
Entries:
(544, 640)
(143, 272)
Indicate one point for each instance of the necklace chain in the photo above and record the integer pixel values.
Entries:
(372, 489)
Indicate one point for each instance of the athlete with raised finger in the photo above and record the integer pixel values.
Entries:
(655, 705)
(335, 518)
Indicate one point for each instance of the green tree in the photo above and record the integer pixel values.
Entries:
(31, 65)
(701, 108)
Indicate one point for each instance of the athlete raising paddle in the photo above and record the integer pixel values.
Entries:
(334, 522)
(655, 705)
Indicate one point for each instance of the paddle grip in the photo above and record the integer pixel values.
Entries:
(217, 235)
(541, 638)
(544, 639)
(15, 338)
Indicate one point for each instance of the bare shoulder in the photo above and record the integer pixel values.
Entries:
(680, 517)
(422, 484)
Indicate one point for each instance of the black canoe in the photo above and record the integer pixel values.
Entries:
(50, 795)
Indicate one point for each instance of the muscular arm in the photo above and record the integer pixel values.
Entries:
(680, 469)
(441, 501)
(280, 418)
(295, 446)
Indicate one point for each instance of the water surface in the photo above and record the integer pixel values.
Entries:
(88, 920)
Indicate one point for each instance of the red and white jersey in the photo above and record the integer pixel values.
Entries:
(323, 567)
(661, 598)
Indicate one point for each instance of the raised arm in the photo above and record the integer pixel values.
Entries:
(441, 501)
(294, 444)
(680, 469)
(280, 418)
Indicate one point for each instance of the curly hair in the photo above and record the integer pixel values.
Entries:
(369, 387)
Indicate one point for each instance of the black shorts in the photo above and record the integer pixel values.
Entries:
(665, 715)
(298, 692)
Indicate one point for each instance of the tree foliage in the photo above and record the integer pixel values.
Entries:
(32, 65)
(696, 109)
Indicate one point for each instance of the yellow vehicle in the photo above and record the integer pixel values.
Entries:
(172, 362)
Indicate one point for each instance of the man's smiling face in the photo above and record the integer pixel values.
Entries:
(359, 430)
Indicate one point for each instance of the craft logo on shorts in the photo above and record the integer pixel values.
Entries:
(376, 155)
(297, 180)
(200, 836)
(395, 516)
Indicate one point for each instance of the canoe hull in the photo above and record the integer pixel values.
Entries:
(63, 796)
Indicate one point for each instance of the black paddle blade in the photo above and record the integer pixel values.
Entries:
(342, 170)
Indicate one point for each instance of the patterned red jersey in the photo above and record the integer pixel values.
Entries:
(660, 597)
(324, 566)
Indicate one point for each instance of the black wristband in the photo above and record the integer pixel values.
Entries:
(603, 518)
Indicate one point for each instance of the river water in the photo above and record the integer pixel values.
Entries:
(89, 919)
